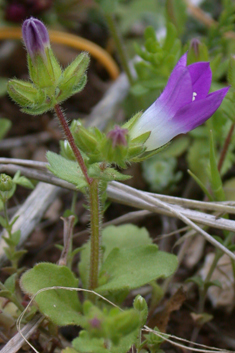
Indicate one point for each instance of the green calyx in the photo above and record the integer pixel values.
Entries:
(49, 84)
(100, 147)
(44, 72)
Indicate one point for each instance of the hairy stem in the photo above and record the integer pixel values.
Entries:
(95, 215)
(71, 141)
(120, 46)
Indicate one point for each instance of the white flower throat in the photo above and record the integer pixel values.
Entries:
(194, 96)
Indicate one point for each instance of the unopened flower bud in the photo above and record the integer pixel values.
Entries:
(194, 45)
(95, 323)
(197, 51)
(115, 147)
(141, 306)
(118, 136)
(6, 183)
(44, 69)
(7, 187)
(66, 150)
(139, 303)
(36, 37)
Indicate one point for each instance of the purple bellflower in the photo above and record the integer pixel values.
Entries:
(36, 37)
(183, 105)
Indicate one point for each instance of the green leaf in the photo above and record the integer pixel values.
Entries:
(66, 170)
(10, 283)
(15, 237)
(9, 242)
(25, 93)
(108, 174)
(123, 237)
(5, 294)
(125, 343)
(18, 254)
(171, 35)
(141, 138)
(231, 247)
(23, 181)
(197, 280)
(135, 267)
(201, 185)
(176, 12)
(215, 283)
(85, 344)
(5, 126)
(62, 307)
(215, 178)
(130, 123)
(3, 222)
(149, 154)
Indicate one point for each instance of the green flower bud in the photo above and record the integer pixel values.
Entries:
(141, 306)
(66, 150)
(6, 183)
(35, 37)
(140, 303)
(7, 187)
(115, 147)
(197, 51)
(84, 139)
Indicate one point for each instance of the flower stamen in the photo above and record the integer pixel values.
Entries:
(194, 96)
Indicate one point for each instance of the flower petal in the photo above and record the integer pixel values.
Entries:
(176, 74)
(196, 113)
(178, 91)
(182, 61)
(201, 79)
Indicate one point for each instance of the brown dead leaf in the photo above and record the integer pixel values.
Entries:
(161, 319)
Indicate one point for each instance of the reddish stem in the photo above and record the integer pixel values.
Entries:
(225, 147)
(71, 141)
